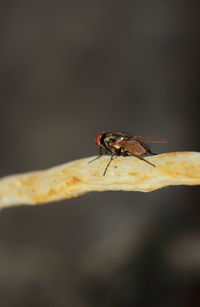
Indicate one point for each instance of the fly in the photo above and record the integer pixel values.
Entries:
(124, 144)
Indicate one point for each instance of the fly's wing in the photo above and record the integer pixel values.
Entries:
(131, 147)
(147, 139)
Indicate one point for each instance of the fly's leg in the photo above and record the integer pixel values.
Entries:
(141, 158)
(99, 156)
(152, 153)
(108, 164)
(115, 157)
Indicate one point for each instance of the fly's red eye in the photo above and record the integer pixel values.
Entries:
(98, 139)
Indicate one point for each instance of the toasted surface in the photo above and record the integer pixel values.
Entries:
(78, 177)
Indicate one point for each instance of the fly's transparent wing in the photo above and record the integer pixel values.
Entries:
(149, 139)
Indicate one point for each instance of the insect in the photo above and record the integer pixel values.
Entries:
(124, 144)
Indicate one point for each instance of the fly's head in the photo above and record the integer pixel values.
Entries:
(105, 140)
(110, 141)
(100, 139)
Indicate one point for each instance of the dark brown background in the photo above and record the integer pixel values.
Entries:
(69, 69)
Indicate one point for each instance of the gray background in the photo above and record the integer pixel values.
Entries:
(69, 69)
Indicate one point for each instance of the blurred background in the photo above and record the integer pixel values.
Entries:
(68, 70)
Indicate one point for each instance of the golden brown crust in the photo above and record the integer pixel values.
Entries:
(78, 177)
